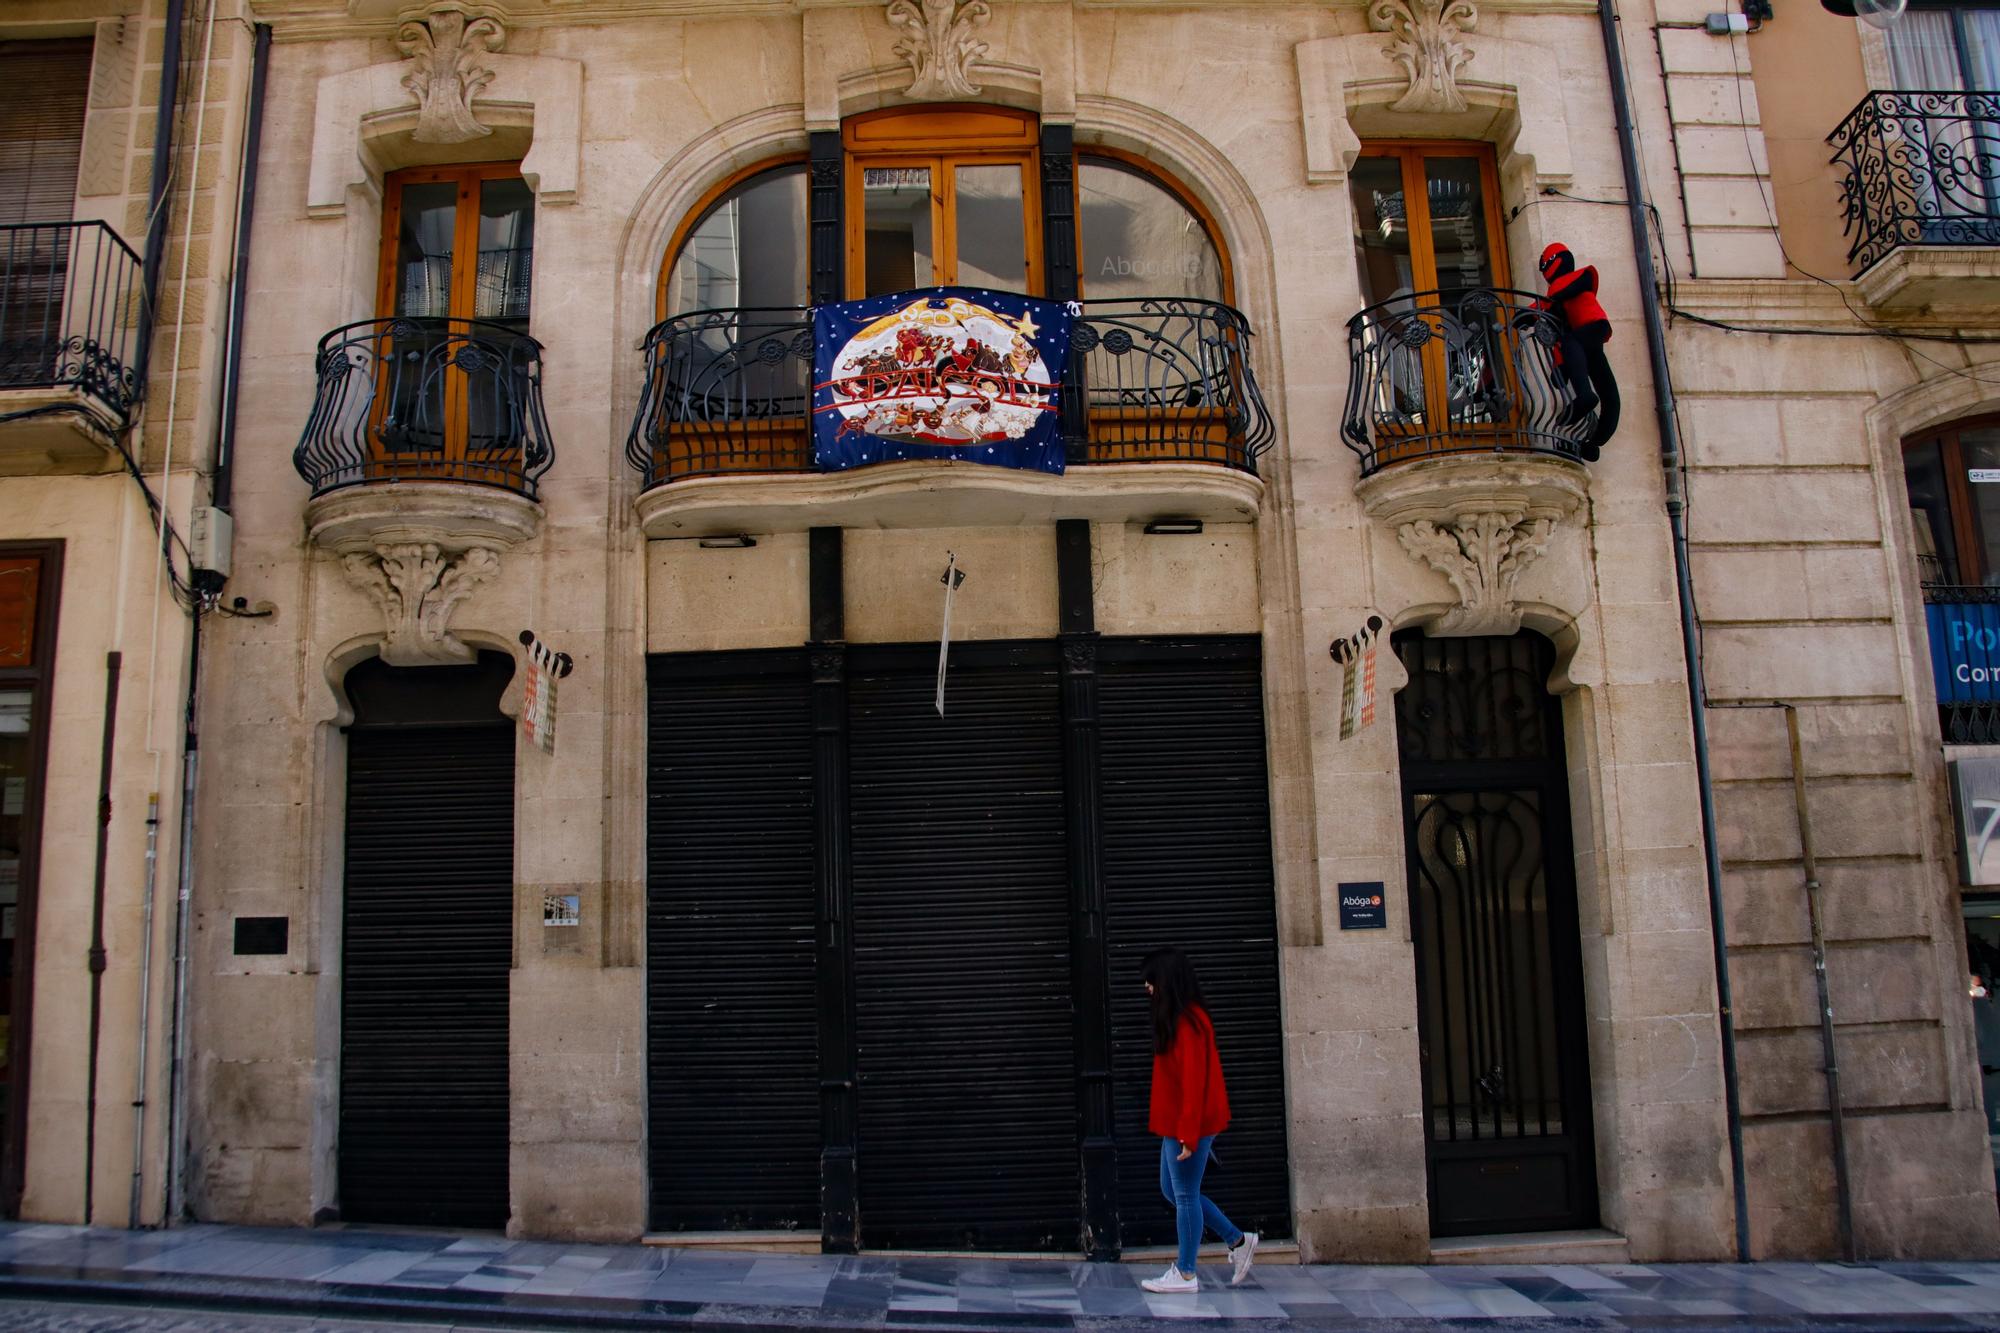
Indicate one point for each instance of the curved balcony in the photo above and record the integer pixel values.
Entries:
(1151, 381)
(1920, 196)
(1472, 371)
(427, 400)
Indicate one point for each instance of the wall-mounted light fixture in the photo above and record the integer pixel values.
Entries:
(734, 541)
(1173, 527)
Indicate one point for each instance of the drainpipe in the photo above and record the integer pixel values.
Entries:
(145, 1009)
(1843, 1190)
(246, 202)
(96, 958)
(156, 198)
(1670, 464)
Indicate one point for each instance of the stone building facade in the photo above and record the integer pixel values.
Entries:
(110, 403)
(763, 945)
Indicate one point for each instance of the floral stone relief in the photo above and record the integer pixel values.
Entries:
(939, 44)
(1426, 45)
(446, 72)
(417, 586)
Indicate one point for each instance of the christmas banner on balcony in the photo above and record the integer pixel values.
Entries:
(946, 373)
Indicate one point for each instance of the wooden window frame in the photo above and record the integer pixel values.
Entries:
(1965, 533)
(38, 679)
(942, 138)
(710, 200)
(464, 236)
(1417, 202)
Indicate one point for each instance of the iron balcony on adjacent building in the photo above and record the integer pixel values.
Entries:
(1920, 196)
(69, 338)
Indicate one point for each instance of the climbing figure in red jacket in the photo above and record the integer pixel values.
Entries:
(1580, 355)
(1189, 1108)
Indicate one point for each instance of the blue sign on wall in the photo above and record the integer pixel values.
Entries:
(1965, 650)
(1361, 907)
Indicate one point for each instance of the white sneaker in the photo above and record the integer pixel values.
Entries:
(1239, 1258)
(1173, 1280)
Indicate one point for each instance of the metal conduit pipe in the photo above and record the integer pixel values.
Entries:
(156, 195)
(145, 1008)
(95, 959)
(1670, 465)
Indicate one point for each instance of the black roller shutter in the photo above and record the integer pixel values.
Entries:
(1187, 861)
(427, 944)
(967, 1104)
(733, 1081)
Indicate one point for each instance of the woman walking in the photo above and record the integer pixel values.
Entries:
(1189, 1108)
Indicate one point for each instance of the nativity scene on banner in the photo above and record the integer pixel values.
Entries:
(952, 373)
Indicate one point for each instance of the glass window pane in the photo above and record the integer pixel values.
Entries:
(506, 250)
(1930, 514)
(1458, 223)
(897, 242)
(750, 250)
(1923, 52)
(1381, 229)
(423, 249)
(1982, 460)
(1138, 239)
(17, 722)
(992, 227)
(1982, 47)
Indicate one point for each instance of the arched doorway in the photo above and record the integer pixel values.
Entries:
(1500, 1019)
(427, 945)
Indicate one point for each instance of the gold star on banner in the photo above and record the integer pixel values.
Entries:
(1026, 324)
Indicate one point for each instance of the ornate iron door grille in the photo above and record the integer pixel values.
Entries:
(1493, 914)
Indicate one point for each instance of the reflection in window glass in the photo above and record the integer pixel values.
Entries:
(1458, 223)
(749, 250)
(1138, 239)
(992, 227)
(897, 244)
(506, 250)
(1982, 460)
(1930, 514)
(423, 249)
(1381, 229)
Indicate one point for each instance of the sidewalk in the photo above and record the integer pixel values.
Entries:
(492, 1282)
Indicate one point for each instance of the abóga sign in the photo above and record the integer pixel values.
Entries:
(1361, 907)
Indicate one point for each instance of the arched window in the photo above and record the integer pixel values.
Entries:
(1139, 236)
(1953, 477)
(746, 247)
(961, 212)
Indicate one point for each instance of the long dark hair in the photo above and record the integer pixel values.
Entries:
(1175, 988)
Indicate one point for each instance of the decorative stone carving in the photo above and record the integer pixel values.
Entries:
(419, 549)
(1480, 520)
(417, 586)
(1482, 554)
(939, 44)
(446, 72)
(1426, 45)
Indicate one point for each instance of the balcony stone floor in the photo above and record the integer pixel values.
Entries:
(388, 1277)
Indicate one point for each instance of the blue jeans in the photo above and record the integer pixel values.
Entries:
(1180, 1182)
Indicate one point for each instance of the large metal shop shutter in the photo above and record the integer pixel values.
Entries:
(732, 1031)
(963, 1024)
(427, 931)
(1187, 861)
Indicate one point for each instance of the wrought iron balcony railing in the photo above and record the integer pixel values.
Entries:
(1150, 380)
(69, 312)
(1475, 370)
(1919, 168)
(427, 399)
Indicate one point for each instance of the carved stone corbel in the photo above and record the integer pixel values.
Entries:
(1480, 520)
(1482, 555)
(939, 44)
(446, 72)
(417, 587)
(1426, 45)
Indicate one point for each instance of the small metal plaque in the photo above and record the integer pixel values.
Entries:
(1361, 907)
(561, 909)
(263, 935)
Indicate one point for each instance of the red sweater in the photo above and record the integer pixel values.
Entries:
(1189, 1101)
